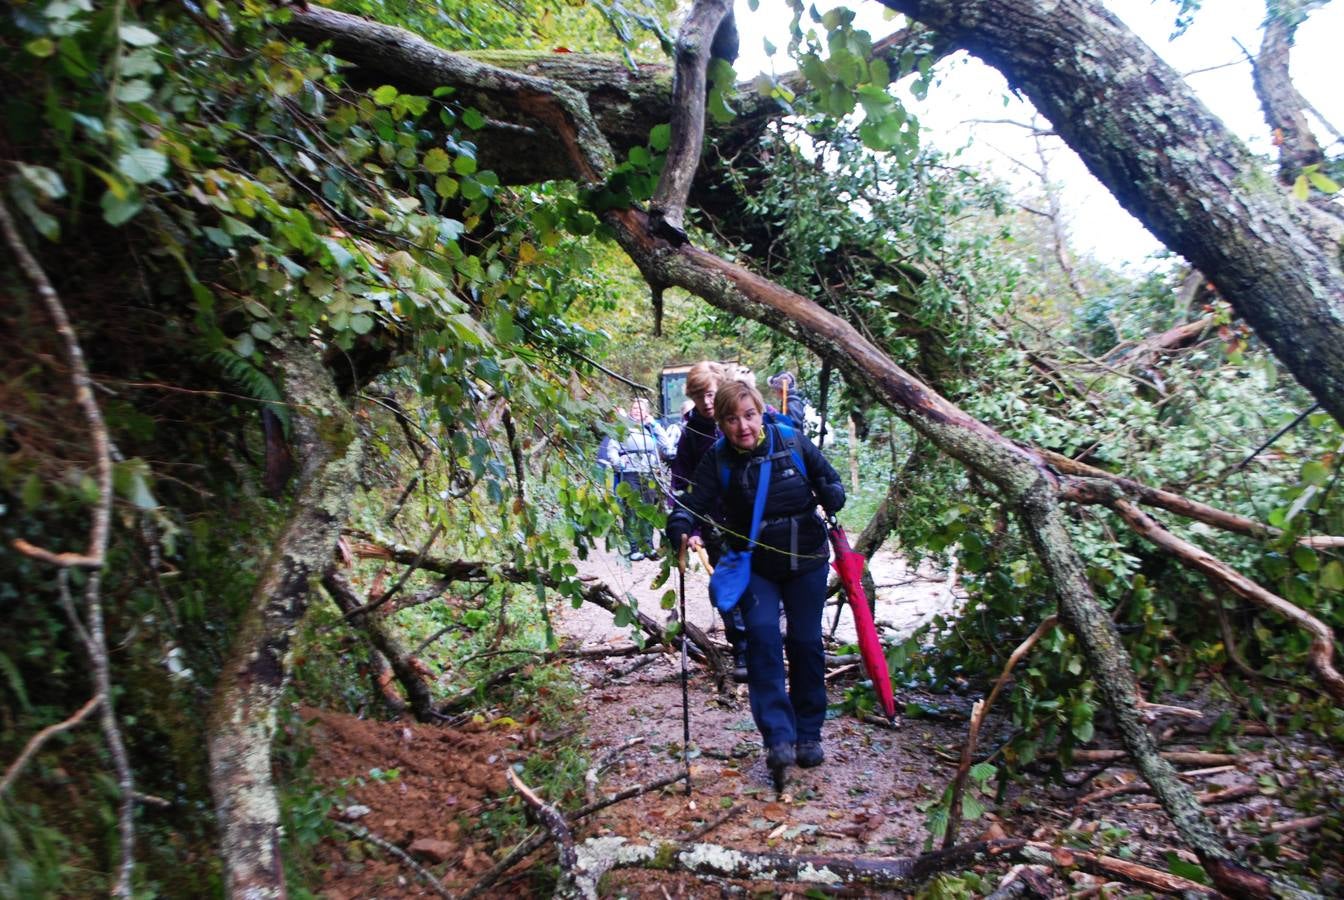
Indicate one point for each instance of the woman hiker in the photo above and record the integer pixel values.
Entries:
(698, 434)
(788, 563)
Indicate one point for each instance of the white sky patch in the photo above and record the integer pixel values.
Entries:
(970, 93)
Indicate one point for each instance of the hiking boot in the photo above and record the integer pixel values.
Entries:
(740, 665)
(780, 756)
(809, 754)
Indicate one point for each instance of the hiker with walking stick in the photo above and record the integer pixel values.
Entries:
(698, 434)
(769, 479)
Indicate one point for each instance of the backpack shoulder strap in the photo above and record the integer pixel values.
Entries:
(724, 473)
(790, 436)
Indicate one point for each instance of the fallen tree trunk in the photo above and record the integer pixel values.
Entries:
(1143, 133)
(242, 718)
(598, 856)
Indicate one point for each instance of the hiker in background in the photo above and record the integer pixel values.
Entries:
(634, 457)
(698, 434)
(788, 563)
(791, 400)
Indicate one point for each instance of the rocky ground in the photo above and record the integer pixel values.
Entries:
(869, 800)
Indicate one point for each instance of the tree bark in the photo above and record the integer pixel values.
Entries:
(1145, 135)
(242, 718)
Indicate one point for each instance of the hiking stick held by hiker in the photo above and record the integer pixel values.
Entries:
(685, 697)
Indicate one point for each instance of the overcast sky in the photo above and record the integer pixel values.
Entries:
(971, 90)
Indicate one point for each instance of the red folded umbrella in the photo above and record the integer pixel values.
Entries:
(849, 564)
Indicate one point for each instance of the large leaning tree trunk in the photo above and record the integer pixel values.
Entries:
(244, 707)
(1025, 482)
(1144, 134)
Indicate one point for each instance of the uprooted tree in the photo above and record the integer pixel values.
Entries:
(328, 236)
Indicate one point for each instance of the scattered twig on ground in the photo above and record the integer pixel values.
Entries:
(1111, 867)
(1208, 798)
(551, 818)
(709, 826)
(1175, 757)
(1143, 787)
(1304, 824)
(420, 871)
(978, 713)
(590, 778)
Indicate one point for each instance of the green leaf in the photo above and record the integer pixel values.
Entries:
(134, 91)
(472, 118)
(1315, 472)
(41, 47)
(118, 210)
(137, 36)
(142, 165)
(1332, 576)
(140, 62)
(340, 257)
(1322, 182)
(464, 165)
(660, 136)
(130, 479)
(30, 495)
(385, 95)
(436, 161)
(1183, 869)
(971, 807)
(1306, 558)
(1300, 188)
(47, 181)
(361, 323)
(445, 186)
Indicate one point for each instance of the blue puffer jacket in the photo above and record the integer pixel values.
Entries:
(793, 537)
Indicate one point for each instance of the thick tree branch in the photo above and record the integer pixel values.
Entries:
(1146, 136)
(688, 113)
(242, 718)
(1283, 106)
(1090, 486)
(1322, 637)
(410, 673)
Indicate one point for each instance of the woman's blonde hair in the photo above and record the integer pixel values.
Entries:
(703, 377)
(729, 397)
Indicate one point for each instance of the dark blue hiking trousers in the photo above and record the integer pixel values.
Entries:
(786, 716)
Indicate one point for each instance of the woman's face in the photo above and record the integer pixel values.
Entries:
(704, 404)
(742, 426)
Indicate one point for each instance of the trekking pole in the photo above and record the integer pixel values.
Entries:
(685, 695)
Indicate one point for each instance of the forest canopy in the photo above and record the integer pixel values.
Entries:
(316, 315)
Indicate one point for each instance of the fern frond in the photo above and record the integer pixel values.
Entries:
(253, 382)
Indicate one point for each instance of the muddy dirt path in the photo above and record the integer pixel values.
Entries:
(869, 799)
